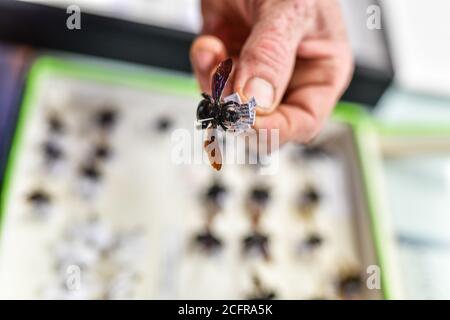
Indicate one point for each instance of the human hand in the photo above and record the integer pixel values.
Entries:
(293, 56)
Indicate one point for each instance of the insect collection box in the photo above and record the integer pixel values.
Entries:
(91, 191)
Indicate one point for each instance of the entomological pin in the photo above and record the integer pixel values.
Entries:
(229, 113)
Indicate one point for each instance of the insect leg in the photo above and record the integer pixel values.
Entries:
(207, 97)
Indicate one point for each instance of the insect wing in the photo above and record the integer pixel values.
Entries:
(220, 78)
(212, 148)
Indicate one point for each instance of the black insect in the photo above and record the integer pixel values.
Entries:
(350, 285)
(55, 124)
(260, 196)
(40, 202)
(106, 118)
(309, 200)
(39, 198)
(261, 292)
(312, 242)
(257, 244)
(163, 124)
(258, 200)
(208, 242)
(212, 111)
(216, 195)
(52, 152)
(102, 152)
(91, 173)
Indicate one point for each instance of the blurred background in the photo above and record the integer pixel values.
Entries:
(402, 79)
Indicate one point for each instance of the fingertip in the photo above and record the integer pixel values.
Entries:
(203, 60)
(205, 52)
(263, 91)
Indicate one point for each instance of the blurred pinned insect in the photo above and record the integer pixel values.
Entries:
(229, 113)
(309, 200)
(208, 242)
(260, 291)
(350, 284)
(41, 201)
(257, 244)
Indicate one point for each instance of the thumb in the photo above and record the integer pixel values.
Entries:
(267, 59)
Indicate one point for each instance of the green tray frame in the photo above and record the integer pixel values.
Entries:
(364, 130)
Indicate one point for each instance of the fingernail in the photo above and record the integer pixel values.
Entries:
(203, 60)
(262, 90)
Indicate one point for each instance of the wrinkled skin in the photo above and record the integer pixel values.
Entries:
(297, 49)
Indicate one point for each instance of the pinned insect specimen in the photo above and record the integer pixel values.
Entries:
(102, 151)
(260, 196)
(257, 244)
(229, 114)
(91, 177)
(312, 242)
(256, 203)
(309, 200)
(350, 285)
(208, 242)
(163, 124)
(314, 152)
(106, 118)
(310, 152)
(55, 124)
(40, 201)
(52, 152)
(215, 196)
(260, 292)
(90, 172)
